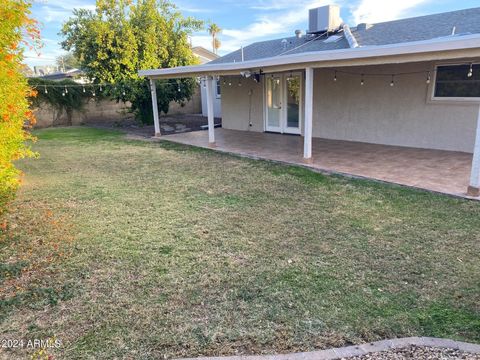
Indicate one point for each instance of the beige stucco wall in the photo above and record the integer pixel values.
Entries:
(236, 106)
(375, 113)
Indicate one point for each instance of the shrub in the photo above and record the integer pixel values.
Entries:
(16, 29)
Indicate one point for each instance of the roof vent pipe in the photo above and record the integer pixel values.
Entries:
(243, 55)
(298, 33)
(352, 42)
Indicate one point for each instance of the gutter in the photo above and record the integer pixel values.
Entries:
(451, 43)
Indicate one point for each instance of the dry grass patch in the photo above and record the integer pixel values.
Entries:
(177, 251)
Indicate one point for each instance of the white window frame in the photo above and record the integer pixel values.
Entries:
(438, 99)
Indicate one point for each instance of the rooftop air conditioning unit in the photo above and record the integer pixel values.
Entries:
(325, 18)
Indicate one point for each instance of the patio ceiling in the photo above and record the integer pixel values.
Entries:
(451, 47)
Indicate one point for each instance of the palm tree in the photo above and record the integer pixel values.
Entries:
(214, 30)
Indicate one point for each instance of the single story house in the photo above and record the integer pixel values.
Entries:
(411, 83)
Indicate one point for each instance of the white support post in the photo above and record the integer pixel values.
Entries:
(474, 188)
(211, 125)
(307, 136)
(156, 120)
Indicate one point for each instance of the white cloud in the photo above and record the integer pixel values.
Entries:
(278, 22)
(373, 11)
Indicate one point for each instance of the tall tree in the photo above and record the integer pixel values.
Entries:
(214, 30)
(121, 37)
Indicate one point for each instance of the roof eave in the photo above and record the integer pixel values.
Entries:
(317, 58)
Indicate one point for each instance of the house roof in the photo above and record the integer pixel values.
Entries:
(392, 32)
(422, 38)
(203, 54)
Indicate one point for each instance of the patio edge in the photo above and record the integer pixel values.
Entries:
(358, 350)
(323, 171)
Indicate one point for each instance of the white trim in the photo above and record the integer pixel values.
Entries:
(410, 48)
(211, 125)
(440, 99)
(307, 139)
(156, 120)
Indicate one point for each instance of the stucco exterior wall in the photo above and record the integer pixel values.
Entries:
(217, 104)
(375, 113)
(242, 105)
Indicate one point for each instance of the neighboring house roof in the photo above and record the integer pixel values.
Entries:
(391, 32)
(69, 74)
(204, 55)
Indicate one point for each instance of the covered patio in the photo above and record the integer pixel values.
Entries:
(435, 170)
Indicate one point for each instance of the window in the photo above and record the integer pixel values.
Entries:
(454, 82)
(218, 92)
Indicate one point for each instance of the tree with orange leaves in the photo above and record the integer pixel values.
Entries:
(17, 29)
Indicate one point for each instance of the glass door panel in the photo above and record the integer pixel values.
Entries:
(274, 103)
(293, 86)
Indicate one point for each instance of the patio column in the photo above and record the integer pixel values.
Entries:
(307, 136)
(211, 125)
(474, 188)
(156, 121)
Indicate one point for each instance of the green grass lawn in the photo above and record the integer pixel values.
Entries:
(139, 250)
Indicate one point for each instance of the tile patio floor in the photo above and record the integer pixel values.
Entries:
(436, 170)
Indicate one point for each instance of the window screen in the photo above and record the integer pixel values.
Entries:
(452, 81)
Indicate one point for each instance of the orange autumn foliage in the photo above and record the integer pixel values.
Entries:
(16, 26)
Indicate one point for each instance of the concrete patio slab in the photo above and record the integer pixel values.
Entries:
(435, 170)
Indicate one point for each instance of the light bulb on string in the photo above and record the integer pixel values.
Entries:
(46, 91)
(428, 78)
(179, 90)
(100, 89)
(93, 92)
(362, 81)
(335, 77)
(470, 71)
(66, 90)
(83, 88)
(229, 82)
(392, 83)
(63, 93)
(123, 92)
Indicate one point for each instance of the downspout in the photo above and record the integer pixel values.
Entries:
(349, 36)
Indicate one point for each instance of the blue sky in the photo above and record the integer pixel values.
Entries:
(244, 21)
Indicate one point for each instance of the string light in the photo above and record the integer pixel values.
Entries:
(335, 77)
(179, 90)
(362, 81)
(123, 91)
(470, 72)
(66, 90)
(229, 82)
(428, 78)
(93, 92)
(83, 87)
(46, 91)
(100, 89)
(392, 83)
(63, 93)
